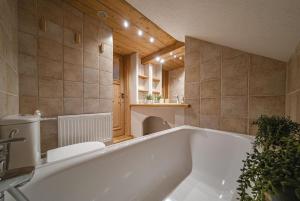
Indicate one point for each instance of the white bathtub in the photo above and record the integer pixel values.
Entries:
(180, 164)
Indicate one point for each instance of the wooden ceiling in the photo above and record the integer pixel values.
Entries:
(126, 41)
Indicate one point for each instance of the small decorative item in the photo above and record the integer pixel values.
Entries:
(42, 24)
(149, 98)
(272, 171)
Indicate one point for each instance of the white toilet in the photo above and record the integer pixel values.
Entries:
(26, 153)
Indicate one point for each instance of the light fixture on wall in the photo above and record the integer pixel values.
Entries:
(126, 24)
(140, 32)
(157, 58)
(151, 39)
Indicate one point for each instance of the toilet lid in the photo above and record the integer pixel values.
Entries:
(73, 150)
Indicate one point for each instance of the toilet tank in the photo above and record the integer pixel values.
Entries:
(26, 153)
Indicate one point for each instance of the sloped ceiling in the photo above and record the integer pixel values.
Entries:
(266, 27)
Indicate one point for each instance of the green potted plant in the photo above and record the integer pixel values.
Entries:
(157, 98)
(149, 98)
(272, 171)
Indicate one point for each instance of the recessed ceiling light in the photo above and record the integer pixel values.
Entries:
(126, 24)
(157, 58)
(171, 53)
(151, 39)
(180, 58)
(140, 32)
(175, 56)
(162, 61)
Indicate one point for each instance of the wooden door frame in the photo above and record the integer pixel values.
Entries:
(118, 82)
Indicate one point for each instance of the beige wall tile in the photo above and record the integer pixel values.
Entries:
(236, 66)
(4, 104)
(73, 20)
(51, 107)
(73, 72)
(73, 56)
(210, 106)
(27, 65)
(268, 105)
(29, 5)
(12, 104)
(73, 89)
(106, 78)
(73, 106)
(28, 86)
(27, 44)
(28, 104)
(210, 89)
(267, 77)
(69, 39)
(192, 60)
(237, 86)
(50, 88)
(192, 90)
(238, 125)
(91, 105)
(209, 51)
(106, 36)
(90, 45)
(228, 52)
(106, 92)
(210, 70)
(192, 113)
(293, 74)
(91, 90)
(236, 106)
(50, 69)
(49, 137)
(12, 85)
(91, 60)
(91, 75)
(192, 44)
(50, 49)
(108, 51)
(105, 105)
(51, 10)
(53, 32)
(192, 74)
(210, 121)
(90, 30)
(106, 64)
(27, 21)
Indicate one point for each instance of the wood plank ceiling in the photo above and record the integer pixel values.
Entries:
(126, 41)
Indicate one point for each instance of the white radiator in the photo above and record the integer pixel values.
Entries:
(74, 129)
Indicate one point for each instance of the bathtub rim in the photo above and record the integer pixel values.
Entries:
(48, 169)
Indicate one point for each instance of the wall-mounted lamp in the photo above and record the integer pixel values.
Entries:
(42, 24)
(77, 38)
(101, 48)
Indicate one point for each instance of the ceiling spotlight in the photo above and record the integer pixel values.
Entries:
(157, 58)
(151, 39)
(140, 32)
(126, 24)
(162, 61)
(180, 58)
(175, 56)
(171, 53)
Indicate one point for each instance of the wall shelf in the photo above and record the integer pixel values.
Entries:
(156, 92)
(156, 80)
(143, 77)
(143, 91)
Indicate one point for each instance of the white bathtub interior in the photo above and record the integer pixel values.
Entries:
(180, 164)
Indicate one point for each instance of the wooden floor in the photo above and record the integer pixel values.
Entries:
(122, 138)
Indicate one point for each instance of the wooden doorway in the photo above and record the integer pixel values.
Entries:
(118, 100)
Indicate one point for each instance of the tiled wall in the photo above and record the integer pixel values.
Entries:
(58, 75)
(293, 86)
(176, 84)
(9, 88)
(228, 88)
